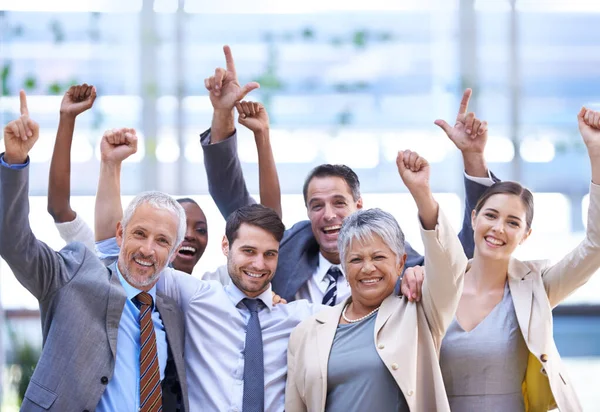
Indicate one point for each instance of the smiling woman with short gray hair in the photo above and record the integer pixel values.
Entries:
(377, 351)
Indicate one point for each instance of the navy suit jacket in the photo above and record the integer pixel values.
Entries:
(299, 250)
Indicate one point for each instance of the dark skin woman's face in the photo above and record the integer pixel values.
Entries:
(196, 238)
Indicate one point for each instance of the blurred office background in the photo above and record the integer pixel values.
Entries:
(344, 82)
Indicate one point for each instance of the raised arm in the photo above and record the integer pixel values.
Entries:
(35, 265)
(76, 100)
(469, 134)
(116, 146)
(445, 261)
(575, 269)
(223, 169)
(254, 116)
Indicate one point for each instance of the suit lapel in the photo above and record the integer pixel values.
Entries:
(116, 303)
(170, 321)
(328, 319)
(521, 289)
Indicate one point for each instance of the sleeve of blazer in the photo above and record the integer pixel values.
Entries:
(293, 400)
(445, 265)
(575, 269)
(226, 182)
(40, 269)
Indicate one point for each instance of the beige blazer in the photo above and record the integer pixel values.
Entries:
(407, 335)
(537, 287)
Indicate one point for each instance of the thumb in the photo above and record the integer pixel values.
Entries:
(400, 162)
(444, 126)
(581, 114)
(247, 89)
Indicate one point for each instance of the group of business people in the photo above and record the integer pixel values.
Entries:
(304, 319)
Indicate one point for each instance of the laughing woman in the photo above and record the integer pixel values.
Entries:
(376, 351)
(499, 354)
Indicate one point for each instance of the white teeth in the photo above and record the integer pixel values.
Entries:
(188, 248)
(371, 280)
(494, 241)
(335, 227)
(143, 262)
(253, 275)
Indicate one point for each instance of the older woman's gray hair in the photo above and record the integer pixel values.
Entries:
(158, 200)
(363, 224)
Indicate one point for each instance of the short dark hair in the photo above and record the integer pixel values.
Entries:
(329, 170)
(182, 200)
(509, 188)
(255, 215)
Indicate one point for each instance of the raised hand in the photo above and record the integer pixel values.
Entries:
(589, 127)
(414, 170)
(469, 134)
(224, 87)
(253, 115)
(20, 135)
(78, 99)
(117, 145)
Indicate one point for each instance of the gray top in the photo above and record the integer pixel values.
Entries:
(484, 369)
(357, 378)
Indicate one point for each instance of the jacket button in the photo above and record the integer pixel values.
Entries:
(544, 357)
(394, 366)
(104, 380)
(410, 393)
(381, 346)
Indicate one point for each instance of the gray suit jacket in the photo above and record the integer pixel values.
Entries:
(298, 250)
(81, 302)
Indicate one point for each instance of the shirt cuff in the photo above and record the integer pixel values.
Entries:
(16, 167)
(485, 181)
(107, 248)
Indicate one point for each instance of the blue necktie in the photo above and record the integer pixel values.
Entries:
(254, 370)
(331, 293)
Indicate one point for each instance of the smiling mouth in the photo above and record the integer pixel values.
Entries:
(371, 281)
(187, 251)
(493, 241)
(144, 263)
(254, 275)
(331, 230)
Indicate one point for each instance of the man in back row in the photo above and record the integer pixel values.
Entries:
(308, 259)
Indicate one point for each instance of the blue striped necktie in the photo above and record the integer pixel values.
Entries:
(331, 293)
(254, 368)
(150, 390)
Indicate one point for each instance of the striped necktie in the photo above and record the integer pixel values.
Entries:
(331, 293)
(150, 390)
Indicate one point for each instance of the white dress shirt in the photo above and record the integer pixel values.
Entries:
(215, 322)
(314, 289)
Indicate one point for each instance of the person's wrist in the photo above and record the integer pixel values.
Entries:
(111, 163)
(262, 134)
(66, 115)
(474, 164)
(14, 158)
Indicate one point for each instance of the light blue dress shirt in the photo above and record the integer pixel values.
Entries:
(123, 390)
(215, 336)
(17, 167)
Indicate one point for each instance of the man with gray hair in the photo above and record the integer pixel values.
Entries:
(111, 342)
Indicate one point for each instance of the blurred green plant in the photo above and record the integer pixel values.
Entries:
(30, 83)
(4, 77)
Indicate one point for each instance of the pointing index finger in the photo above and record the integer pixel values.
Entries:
(23, 99)
(229, 59)
(464, 103)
